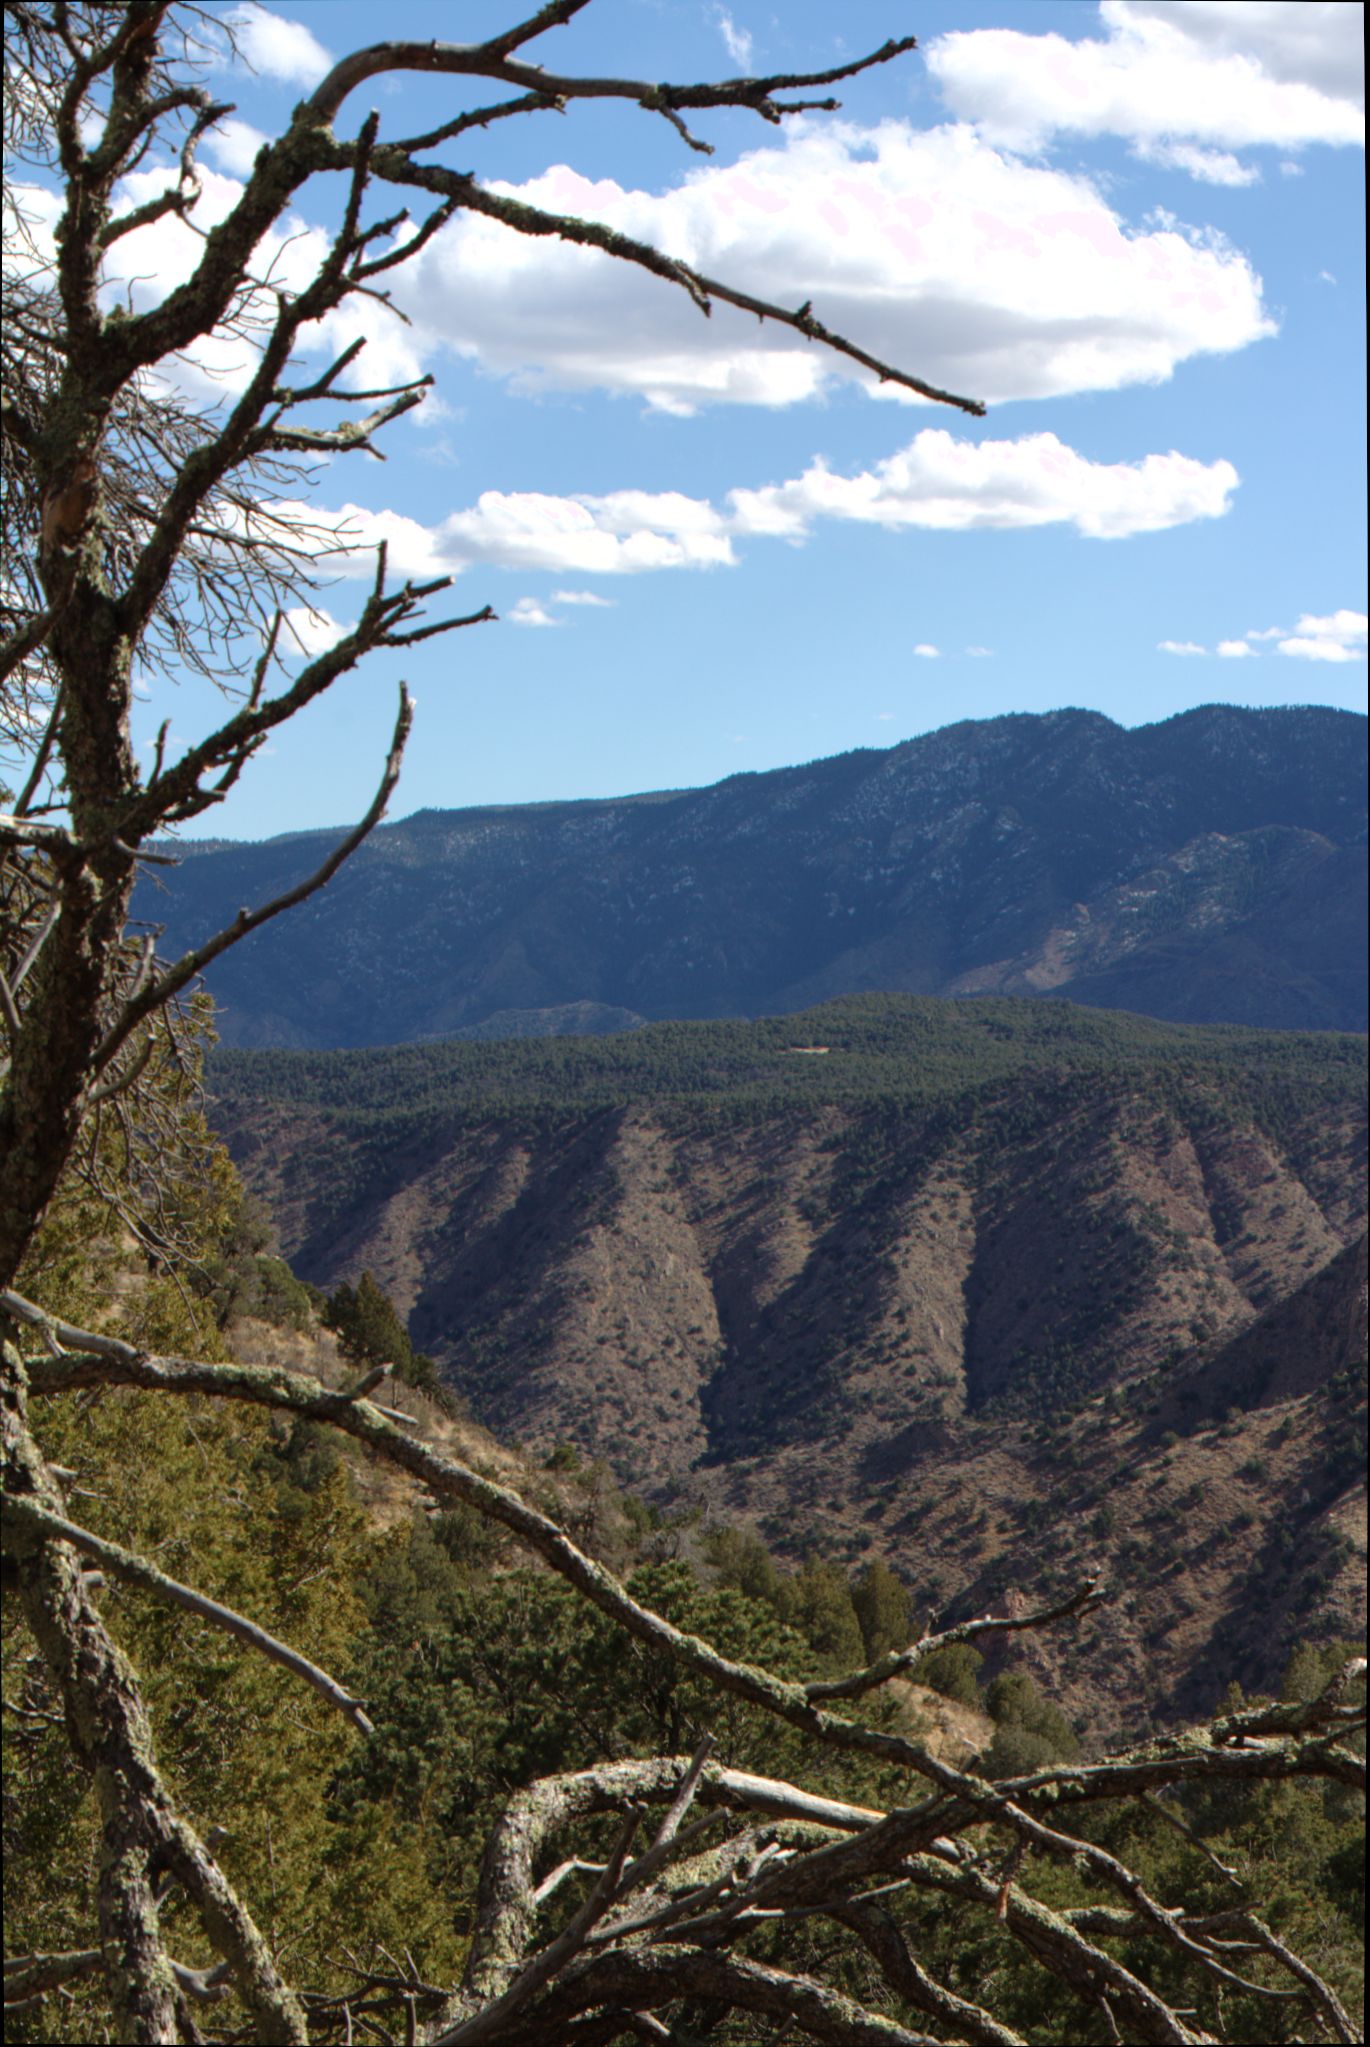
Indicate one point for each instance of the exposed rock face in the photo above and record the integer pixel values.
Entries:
(1208, 869)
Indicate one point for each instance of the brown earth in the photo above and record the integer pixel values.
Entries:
(1106, 1332)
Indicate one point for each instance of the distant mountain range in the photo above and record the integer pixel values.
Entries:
(1207, 869)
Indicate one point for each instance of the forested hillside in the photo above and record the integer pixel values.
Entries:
(481, 1671)
(982, 1286)
(1207, 869)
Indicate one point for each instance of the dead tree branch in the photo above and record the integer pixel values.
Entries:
(138, 1570)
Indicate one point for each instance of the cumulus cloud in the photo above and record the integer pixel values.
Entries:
(1226, 74)
(936, 481)
(958, 485)
(622, 533)
(308, 629)
(581, 597)
(927, 651)
(234, 144)
(528, 611)
(1315, 43)
(280, 47)
(611, 535)
(1339, 637)
(982, 273)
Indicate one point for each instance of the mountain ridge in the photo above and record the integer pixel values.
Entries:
(1048, 854)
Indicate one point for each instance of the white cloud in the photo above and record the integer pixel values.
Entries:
(612, 535)
(309, 630)
(350, 536)
(581, 597)
(622, 533)
(281, 48)
(528, 611)
(1233, 73)
(1317, 43)
(935, 481)
(234, 144)
(737, 41)
(1209, 166)
(927, 651)
(984, 274)
(981, 653)
(1338, 637)
(940, 481)
(1290, 169)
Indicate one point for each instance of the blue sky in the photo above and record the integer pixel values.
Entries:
(1136, 230)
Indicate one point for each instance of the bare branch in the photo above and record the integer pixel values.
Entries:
(1321, 1994)
(493, 2019)
(660, 1975)
(351, 434)
(138, 1571)
(1326, 1710)
(392, 164)
(193, 963)
(493, 60)
(1081, 1601)
(22, 643)
(881, 1934)
(555, 14)
(33, 1976)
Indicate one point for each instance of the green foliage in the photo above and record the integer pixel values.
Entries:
(741, 1559)
(264, 1518)
(279, 1297)
(953, 1672)
(480, 1681)
(1030, 1731)
(371, 1333)
(824, 1614)
(838, 1619)
(898, 1049)
(881, 1601)
(239, 1276)
(482, 1673)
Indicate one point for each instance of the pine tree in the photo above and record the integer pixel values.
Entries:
(881, 1601)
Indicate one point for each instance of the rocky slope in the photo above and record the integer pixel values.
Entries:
(1207, 869)
(989, 1289)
